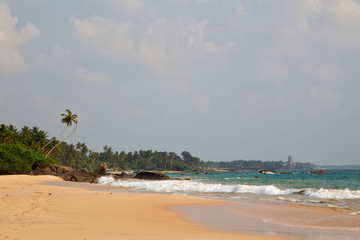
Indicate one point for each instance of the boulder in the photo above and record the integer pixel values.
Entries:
(66, 173)
(152, 176)
(122, 175)
(102, 169)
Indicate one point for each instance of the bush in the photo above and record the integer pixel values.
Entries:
(15, 159)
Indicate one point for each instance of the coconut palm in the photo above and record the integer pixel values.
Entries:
(69, 119)
(53, 139)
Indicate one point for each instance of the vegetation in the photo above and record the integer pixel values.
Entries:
(79, 156)
(68, 118)
(15, 159)
(255, 164)
(23, 150)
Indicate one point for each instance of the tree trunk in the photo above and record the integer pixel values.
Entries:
(61, 141)
(54, 139)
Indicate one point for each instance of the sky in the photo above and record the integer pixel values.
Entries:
(222, 79)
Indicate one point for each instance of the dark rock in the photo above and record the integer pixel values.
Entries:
(123, 175)
(102, 169)
(66, 173)
(181, 179)
(256, 177)
(152, 176)
(319, 171)
(285, 173)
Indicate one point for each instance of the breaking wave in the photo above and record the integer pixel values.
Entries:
(189, 187)
(333, 193)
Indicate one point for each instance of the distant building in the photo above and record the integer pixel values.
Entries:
(291, 164)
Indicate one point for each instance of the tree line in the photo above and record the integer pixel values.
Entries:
(80, 156)
(256, 164)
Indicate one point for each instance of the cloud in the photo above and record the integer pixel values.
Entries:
(83, 75)
(159, 41)
(109, 38)
(11, 59)
(346, 12)
(126, 6)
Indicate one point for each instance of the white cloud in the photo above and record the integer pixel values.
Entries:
(172, 48)
(346, 12)
(126, 6)
(82, 74)
(109, 38)
(11, 60)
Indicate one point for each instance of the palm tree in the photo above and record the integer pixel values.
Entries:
(57, 136)
(68, 118)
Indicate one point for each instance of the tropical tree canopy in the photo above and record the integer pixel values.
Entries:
(68, 117)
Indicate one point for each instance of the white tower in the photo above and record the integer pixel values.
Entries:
(291, 164)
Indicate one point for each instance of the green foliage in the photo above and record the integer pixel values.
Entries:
(255, 165)
(80, 156)
(15, 159)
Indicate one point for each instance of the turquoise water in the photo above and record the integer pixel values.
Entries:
(337, 189)
(300, 179)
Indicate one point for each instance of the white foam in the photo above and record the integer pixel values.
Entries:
(288, 199)
(333, 193)
(355, 213)
(194, 187)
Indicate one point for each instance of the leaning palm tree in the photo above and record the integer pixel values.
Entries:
(53, 139)
(68, 118)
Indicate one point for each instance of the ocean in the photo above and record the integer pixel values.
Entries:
(337, 189)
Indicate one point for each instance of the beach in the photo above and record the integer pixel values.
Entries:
(46, 207)
(30, 209)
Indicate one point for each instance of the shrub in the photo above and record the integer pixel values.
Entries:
(15, 159)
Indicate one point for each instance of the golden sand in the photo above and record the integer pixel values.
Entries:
(32, 210)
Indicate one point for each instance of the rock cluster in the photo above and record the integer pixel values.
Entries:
(152, 176)
(83, 175)
(122, 176)
(68, 174)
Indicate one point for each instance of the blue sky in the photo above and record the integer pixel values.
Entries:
(224, 80)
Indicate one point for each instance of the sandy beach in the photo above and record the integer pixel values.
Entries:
(30, 209)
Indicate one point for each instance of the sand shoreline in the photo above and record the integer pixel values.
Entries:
(37, 207)
(30, 209)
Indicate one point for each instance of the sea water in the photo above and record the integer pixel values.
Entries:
(336, 189)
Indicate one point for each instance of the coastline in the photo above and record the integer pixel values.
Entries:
(33, 209)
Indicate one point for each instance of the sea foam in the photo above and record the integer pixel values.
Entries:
(188, 187)
(333, 193)
(172, 186)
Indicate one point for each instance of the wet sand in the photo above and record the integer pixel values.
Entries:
(31, 208)
(288, 221)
